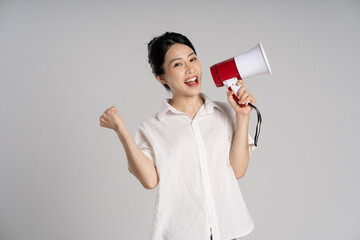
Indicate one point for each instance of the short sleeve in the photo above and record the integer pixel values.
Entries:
(231, 123)
(142, 141)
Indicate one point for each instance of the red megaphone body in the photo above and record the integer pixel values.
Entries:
(248, 64)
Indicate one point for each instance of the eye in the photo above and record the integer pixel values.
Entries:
(193, 59)
(177, 64)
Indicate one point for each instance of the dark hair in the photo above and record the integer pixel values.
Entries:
(158, 47)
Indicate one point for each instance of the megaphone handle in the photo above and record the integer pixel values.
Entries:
(259, 118)
(237, 99)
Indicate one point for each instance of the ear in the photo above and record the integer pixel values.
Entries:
(160, 78)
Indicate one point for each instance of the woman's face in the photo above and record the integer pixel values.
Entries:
(182, 71)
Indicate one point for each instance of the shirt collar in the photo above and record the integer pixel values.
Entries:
(208, 106)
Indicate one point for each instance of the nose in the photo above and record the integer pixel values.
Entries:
(189, 68)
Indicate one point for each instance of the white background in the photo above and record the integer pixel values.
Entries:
(63, 63)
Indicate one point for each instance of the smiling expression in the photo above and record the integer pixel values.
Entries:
(182, 71)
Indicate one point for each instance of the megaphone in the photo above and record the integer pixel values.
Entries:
(250, 63)
(228, 72)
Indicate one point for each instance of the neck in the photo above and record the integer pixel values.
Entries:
(189, 105)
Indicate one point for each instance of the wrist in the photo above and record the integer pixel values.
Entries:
(242, 116)
(120, 128)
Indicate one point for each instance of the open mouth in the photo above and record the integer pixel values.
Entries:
(191, 82)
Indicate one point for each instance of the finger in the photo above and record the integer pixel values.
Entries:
(229, 95)
(241, 91)
(253, 101)
(113, 108)
(248, 99)
(102, 124)
(245, 97)
(239, 82)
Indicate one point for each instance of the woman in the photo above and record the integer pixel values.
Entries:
(194, 148)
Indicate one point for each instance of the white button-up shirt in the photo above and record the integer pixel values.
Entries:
(198, 193)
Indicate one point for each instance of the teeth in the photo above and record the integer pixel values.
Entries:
(191, 79)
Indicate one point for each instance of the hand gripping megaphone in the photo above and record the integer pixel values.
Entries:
(228, 72)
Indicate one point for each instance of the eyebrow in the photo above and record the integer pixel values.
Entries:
(180, 58)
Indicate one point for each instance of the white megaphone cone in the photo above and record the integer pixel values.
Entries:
(253, 62)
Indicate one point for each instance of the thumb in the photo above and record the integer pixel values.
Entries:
(114, 109)
(230, 97)
(231, 100)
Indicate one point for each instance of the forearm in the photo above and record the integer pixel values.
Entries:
(239, 152)
(140, 165)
